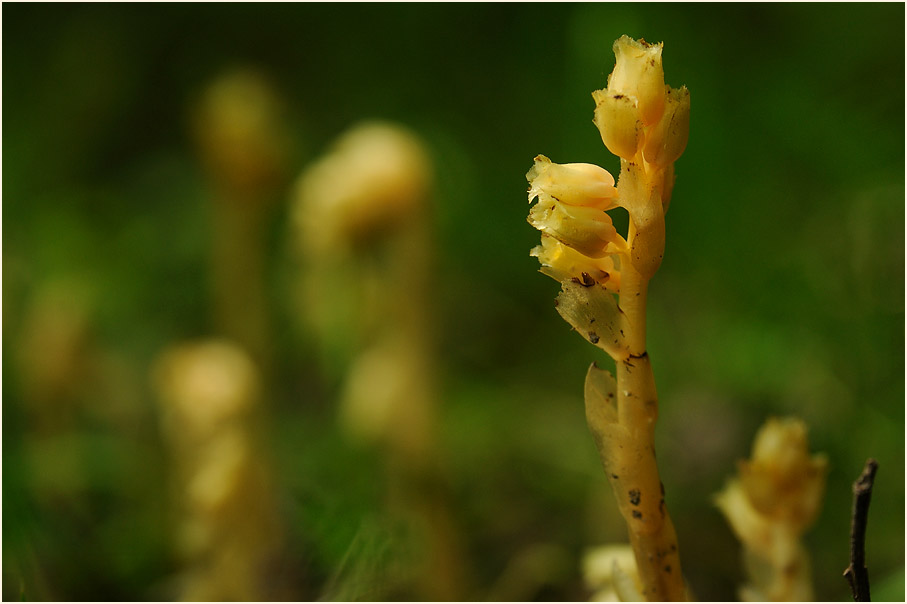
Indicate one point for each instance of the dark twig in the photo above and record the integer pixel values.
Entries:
(856, 573)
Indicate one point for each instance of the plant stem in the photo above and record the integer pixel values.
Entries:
(634, 293)
(238, 280)
(660, 572)
(637, 486)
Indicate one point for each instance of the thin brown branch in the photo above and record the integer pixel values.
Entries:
(856, 573)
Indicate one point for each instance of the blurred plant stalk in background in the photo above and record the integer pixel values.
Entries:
(646, 124)
(362, 222)
(228, 535)
(241, 136)
(78, 397)
(212, 393)
(54, 355)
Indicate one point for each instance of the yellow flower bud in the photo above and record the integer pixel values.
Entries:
(562, 263)
(617, 119)
(667, 139)
(583, 185)
(638, 73)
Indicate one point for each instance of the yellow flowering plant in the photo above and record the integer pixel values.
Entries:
(604, 279)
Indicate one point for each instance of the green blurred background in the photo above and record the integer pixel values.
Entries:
(781, 292)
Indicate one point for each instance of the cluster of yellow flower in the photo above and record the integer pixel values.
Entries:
(646, 124)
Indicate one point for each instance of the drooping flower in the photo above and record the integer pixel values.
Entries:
(572, 199)
(585, 185)
(563, 263)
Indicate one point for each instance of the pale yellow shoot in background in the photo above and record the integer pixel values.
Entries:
(243, 143)
(774, 499)
(362, 226)
(610, 574)
(228, 535)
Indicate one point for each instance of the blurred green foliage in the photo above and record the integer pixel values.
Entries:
(781, 292)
